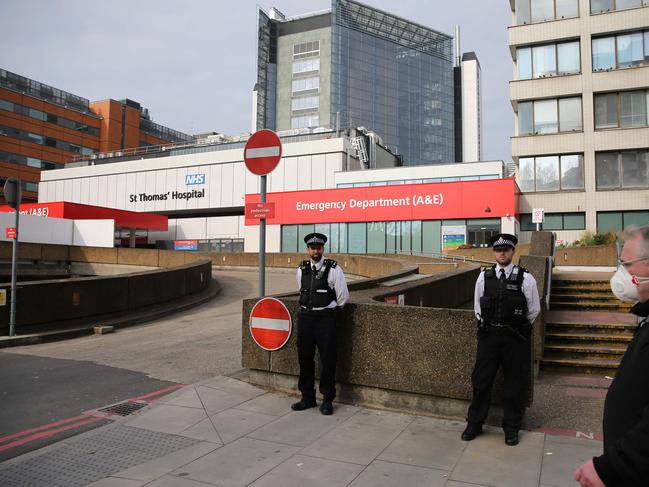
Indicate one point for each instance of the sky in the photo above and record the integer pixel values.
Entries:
(193, 63)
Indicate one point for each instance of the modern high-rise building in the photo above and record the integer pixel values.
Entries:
(580, 94)
(357, 66)
(42, 127)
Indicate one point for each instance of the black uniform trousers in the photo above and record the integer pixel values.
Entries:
(317, 328)
(499, 347)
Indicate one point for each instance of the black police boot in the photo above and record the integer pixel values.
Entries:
(471, 431)
(511, 438)
(326, 408)
(303, 404)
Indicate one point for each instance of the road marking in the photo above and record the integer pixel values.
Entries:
(48, 433)
(39, 428)
(156, 393)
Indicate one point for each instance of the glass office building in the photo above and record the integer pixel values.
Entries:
(358, 66)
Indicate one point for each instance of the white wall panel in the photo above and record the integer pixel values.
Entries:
(85, 191)
(67, 190)
(214, 183)
(149, 188)
(93, 188)
(333, 164)
(102, 197)
(252, 182)
(318, 171)
(276, 178)
(239, 187)
(160, 187)
(60, 190)
(290, 174)
(227, 185)
(36, 229)
(223, 227)
(179, 186)
(304, 172)
(93, 233)
(111, 196)
(122, 197)
(191, 229)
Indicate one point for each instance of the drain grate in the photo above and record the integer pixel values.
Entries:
(124, 408)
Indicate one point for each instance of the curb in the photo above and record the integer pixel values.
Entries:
(138, 317)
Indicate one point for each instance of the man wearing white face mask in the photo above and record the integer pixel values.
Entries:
(625, 462)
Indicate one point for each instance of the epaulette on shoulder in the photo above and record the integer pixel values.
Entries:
(332, 262)
(489, 271)
(304, 264)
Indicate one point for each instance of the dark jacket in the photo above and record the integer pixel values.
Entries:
(625, 461)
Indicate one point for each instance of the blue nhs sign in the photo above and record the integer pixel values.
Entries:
(194, 179)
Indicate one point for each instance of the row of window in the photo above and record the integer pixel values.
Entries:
(612, 110)
(548, 60)
(549, 116)
(306, 66)
(417, 181)
(551, 173)
(305, 103)
(621, 51)
(48, 117)
(613, 170)
(25, 185)
(27, 161)
(530, 11)
(305, 121)
(417, 237)
(306, 49)
(306, 84)
(42, 140)
(622, 170)
(555, 221)
(621, 110)
(616, 221)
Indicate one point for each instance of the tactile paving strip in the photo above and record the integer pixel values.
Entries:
(80, 463)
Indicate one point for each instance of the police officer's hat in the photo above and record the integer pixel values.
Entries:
(315, 239)
(503, 240)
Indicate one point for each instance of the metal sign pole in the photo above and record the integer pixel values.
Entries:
(262, 243)
(14, 259)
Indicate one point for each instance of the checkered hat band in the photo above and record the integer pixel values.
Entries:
(315, 240)
(502, 242)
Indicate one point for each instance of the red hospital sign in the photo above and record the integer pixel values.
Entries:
(493, 198)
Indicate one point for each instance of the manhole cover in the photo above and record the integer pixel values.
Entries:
(124, 408)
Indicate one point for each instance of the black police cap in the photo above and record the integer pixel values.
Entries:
(503, 240)
(315, 239)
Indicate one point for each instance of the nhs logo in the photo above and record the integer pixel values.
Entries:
(194, 179)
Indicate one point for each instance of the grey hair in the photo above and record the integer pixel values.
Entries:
(643, 234)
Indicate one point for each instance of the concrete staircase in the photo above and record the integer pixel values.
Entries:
(588, 329)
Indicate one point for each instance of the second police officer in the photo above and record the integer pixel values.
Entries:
(506, 304)
(323, 293)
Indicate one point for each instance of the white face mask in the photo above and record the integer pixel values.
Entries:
(623, 286)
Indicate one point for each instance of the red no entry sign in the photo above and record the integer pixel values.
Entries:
(270, 324)
(10, 232)
(262, 152)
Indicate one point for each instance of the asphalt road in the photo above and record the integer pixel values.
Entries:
(51, 391)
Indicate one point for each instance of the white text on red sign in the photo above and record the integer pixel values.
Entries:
(414, 200)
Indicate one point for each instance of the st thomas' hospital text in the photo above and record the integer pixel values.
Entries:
(174, 195)
(415, 200)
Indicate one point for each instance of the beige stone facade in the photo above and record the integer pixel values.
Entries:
(590, 200)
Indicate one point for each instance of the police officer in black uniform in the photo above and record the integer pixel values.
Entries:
(323, 293)
(506, 304)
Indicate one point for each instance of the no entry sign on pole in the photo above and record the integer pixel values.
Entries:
(262, 152)
(270, 324)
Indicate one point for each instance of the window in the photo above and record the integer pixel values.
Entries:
(621, 170)
(629, 50)
(306, 49)
(617, 221)
(549, 116)
(597, 6)
(551, 173)
(6, 105)
(621, 51)
(547, 173)
(306, 66)
(603, 53)
(621, 110)
(376, 237)
(544, 61)
(305, 103)
(357, 238)
(548, 60)
(541, 10)
(305, 121)
(555, 221)
(569, 114)
(305, 84)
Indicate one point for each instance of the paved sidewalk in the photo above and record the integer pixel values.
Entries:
(224, 432)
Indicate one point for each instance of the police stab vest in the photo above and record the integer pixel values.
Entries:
(503, 302)
(314, 290)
